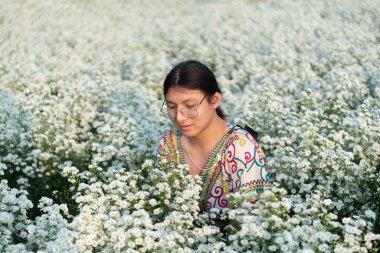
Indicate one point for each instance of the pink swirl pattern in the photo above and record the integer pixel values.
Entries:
(231, 152)
(218, 194)
(248, 157)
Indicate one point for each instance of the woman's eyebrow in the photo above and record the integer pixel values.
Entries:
(187, 100)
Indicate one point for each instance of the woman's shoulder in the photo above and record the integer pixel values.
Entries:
(239, 134)
(242, 143)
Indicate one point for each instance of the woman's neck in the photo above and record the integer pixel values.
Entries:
(209, 137)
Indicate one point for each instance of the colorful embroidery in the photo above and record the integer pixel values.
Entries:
(236, 164)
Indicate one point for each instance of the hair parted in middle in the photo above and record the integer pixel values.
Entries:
(194, 75)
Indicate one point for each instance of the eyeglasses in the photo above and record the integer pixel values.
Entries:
(188, 111)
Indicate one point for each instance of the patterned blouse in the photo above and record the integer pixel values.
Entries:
(237, 163)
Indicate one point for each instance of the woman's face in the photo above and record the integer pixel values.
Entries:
(178, 97)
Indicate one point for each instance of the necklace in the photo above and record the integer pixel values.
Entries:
(187, 151)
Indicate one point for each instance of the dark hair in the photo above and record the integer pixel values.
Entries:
(196, 76)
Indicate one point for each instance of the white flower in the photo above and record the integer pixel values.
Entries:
(327, 202)
(153, 202)
(370, 214)
(347, 220)
(272, 248)
(307, 251)
(6, 218)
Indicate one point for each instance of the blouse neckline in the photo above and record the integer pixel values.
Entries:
(210, 163)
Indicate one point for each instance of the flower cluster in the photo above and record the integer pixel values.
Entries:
(277, 223)
(13, 215)
(148, 209)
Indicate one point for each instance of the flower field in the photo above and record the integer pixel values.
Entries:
(80, 97)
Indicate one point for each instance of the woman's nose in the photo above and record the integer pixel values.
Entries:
(179, 116)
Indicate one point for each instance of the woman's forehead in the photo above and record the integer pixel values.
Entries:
(179, 94)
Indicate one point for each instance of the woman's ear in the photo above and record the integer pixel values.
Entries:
(216, 99)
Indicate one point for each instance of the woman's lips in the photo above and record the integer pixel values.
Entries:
(185, 127)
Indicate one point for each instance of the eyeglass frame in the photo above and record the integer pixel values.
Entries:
(196, 107)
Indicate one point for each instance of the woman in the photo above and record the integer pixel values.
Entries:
(226, 157)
